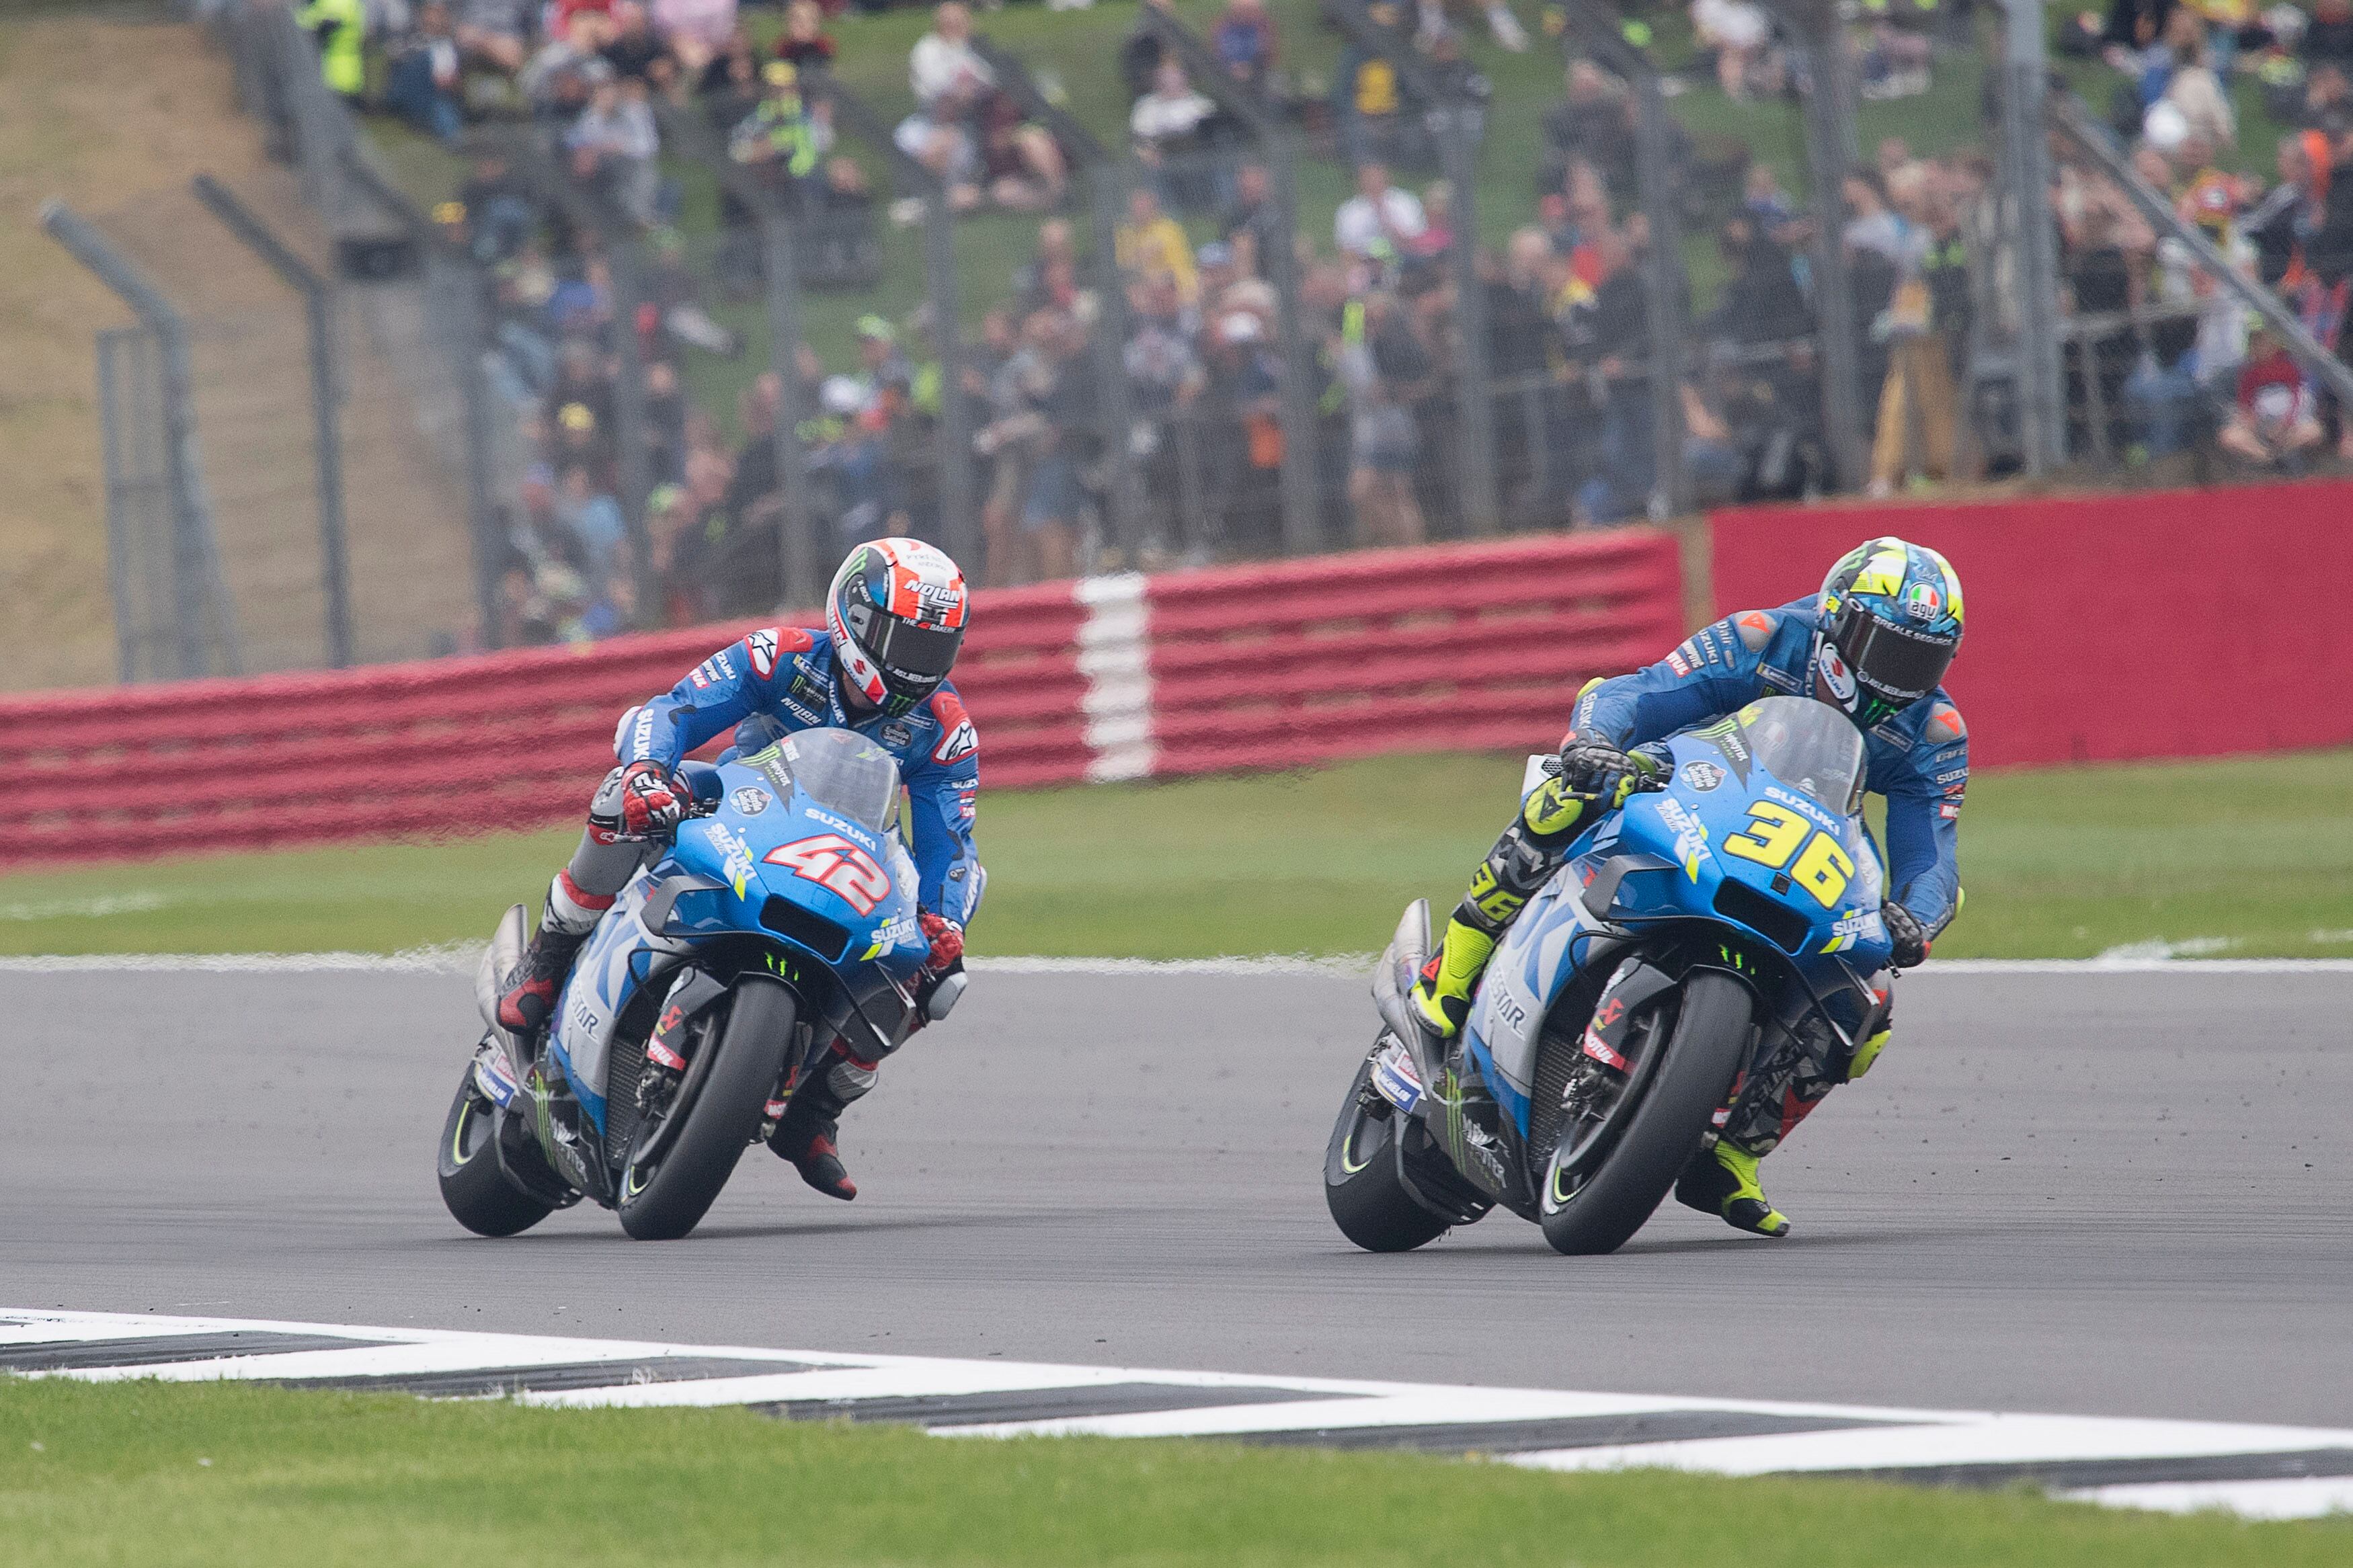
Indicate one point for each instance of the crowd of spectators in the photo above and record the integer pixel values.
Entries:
(2159, 359)
(2169, 359)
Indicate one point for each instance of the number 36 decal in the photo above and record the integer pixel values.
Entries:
(840, 867)
(1773, 834)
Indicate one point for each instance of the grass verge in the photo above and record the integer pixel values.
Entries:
(2229, 858)
(228, 1473)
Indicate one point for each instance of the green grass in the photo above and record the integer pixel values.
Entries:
(196, 1474)
(2061, 863)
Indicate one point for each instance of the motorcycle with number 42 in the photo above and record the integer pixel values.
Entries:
(1686, 935)
(780, 917)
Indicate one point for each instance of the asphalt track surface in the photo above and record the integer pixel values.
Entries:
(2101, 1194)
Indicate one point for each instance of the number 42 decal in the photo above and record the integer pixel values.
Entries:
(840, 867)
(1773, 834)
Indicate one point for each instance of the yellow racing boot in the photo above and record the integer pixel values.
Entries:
(1442, 997)
(1722, 1180)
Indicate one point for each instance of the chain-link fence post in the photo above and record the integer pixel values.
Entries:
(131, 488)
(1831, 151)
(2026, 162)
(464, 332)
(205, 624)
(326, 396)
(1597, 33)
(1110, 328)
(317, 123)
(1457, 118)
(959, 503)
(615, 237)
(636, 476)
(1303, 489)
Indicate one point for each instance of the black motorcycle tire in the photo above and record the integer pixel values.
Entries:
(476, 1191)
(1703, 1054)
(1361, 1185)
(722, 1117)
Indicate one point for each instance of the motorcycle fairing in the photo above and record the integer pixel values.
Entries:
(1539, 953)
(1681, 826)
(721, 885)
(620, 955)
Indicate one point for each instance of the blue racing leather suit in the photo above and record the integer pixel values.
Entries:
(1919, 759)
(781, 679)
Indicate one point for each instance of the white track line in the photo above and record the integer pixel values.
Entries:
(2305, 1497)
(459, 958)
(1893, 1440)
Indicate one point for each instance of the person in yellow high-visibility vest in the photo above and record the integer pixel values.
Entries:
(340, 28)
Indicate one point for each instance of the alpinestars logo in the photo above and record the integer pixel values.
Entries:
(958, 739)
(762, 647)
(960, 743)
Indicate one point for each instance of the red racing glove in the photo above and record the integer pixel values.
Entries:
(653, 800)
(947, 944)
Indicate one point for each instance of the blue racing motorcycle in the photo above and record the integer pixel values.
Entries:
(780, 917)
(1684, 938)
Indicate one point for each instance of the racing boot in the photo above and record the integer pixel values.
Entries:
(1441, 998)
(1522, 861)
(805, 1134)
(563, 925)
(1722, 1180)
(531, 989)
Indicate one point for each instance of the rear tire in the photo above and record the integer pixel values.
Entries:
(1361, 1187)
(478, 1194)
(1709, 1039)
(721, 1121)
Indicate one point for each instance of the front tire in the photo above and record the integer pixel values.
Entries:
(1361, 1186)
(1711, 1038)
(476, 1191)
(666, 1201)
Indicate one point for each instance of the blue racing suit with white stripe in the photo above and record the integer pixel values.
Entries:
(1919, 760)
(781, 679)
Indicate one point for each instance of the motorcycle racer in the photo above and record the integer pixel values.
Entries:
(896, 617)
(1875, 641)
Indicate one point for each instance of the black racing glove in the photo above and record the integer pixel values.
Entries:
(1595, 769)
(1592, 766)
(1903, 930)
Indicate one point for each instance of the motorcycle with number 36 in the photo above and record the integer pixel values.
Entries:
(780, 917)
(1685, 936)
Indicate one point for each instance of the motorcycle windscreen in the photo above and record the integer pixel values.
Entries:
(1809, 746)
(843, 771)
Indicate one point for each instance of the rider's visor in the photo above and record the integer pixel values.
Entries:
(919, 653)
(1894, 661)
(916, 655)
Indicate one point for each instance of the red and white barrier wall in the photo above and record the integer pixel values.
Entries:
(2106, 627)
(2169, 624)
(1470, 646)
